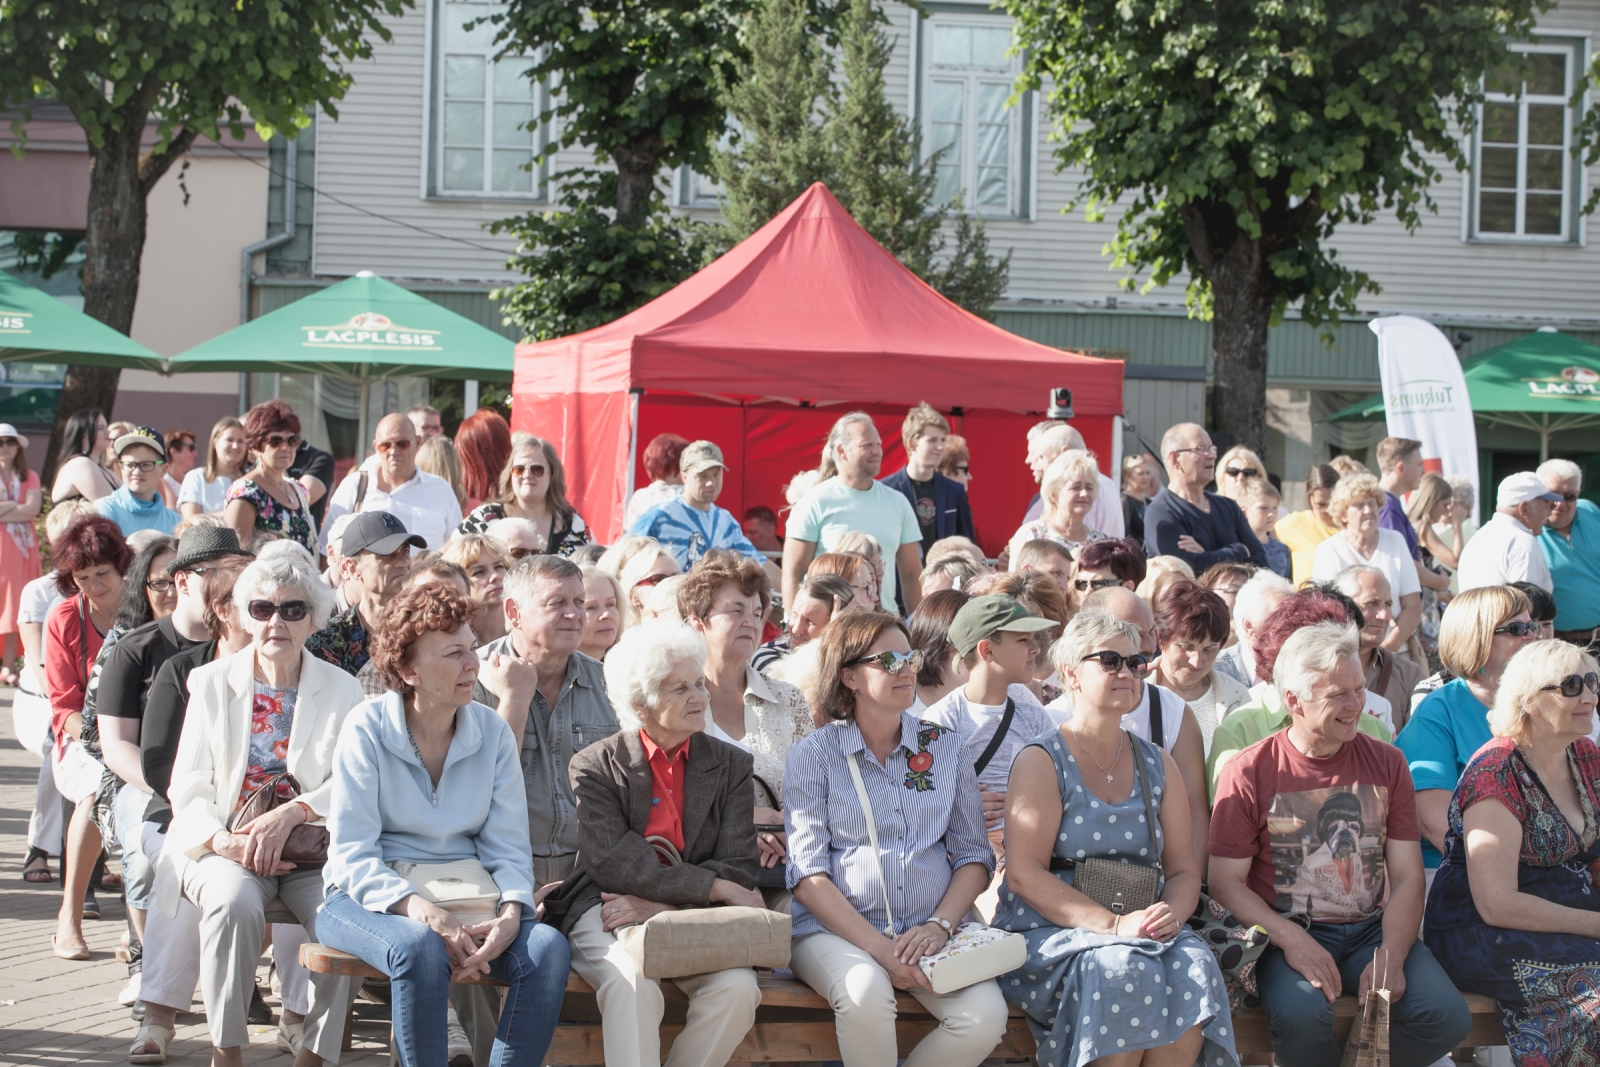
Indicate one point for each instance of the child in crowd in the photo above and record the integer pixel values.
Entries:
(1259, 500)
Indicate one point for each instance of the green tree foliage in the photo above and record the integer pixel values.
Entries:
(1235, 137)
(796, 128)
(187, 67)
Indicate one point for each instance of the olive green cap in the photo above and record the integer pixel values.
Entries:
(984, 616)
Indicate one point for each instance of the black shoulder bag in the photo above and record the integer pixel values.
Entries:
(998, 738)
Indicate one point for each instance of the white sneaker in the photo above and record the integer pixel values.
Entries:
(458, 1050)
(130, 992)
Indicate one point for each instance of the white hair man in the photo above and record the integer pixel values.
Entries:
(1046, 441)
(1387, 675)
(1358, 890)
(849, 498)
(551, 695)
(1570, 544)
(1200, 528)
(1506, 549)
(1256, 599)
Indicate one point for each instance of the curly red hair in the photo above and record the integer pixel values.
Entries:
(90, 542)
(267, 418)
(407, 617)
(1298, 610)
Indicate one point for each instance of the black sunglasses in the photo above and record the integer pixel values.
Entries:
(1573, 684)
(289, 610)
(1115, 661)
(1241, 472)
(1085, 584)
(891, 662)
(280, 440)
(1518, 629)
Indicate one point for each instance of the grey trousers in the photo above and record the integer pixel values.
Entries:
(233, 923)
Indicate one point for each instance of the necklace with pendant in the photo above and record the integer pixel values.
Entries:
(1121, 736)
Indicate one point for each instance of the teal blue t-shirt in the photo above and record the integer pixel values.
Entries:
(1442, 736)
(1575, 569)
(132, 514)
(833, 509)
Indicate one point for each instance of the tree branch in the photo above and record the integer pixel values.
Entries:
(154, 164)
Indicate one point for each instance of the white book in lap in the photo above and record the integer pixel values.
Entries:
(973, 954)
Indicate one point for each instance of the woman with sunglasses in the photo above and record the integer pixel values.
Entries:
(1514, 894)
(267, 500)
(1479, 635)
(533, 486)
(1235, 470)
(1099, 983)
(863, 918)
(269, 710)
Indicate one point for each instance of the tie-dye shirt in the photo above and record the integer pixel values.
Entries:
(271, 718)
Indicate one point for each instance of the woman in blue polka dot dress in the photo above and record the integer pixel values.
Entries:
(1133, 990)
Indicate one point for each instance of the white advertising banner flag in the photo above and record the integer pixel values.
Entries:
(1425, 395)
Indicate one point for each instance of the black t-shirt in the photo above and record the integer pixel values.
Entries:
(922, 502)
(319, 464)
(131, 667)
(163, 722)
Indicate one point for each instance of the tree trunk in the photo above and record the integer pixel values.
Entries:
(637, 165)
(1242, 297)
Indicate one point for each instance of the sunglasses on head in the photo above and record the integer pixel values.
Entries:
(1518, 629)
(1083, 585)
(1573, 684)
(278, 440)
(289, 610)
(1115, 661)
(1241, 472)
(532, 470)
(891, 662)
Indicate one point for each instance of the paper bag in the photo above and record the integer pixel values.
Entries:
(1369, 1037)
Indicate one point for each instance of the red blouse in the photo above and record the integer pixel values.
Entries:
(70, 649)
(667, 771)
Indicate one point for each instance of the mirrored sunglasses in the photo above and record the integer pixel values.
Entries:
(289, 610)
(1573, 684)
(891, 662)
(1518, 629)
(1083, 585)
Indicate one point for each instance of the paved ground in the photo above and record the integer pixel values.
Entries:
(57, 1012)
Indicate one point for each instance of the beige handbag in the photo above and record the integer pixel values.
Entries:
(464, 888)
(687, 941)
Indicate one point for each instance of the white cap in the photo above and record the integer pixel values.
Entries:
(1521, 488)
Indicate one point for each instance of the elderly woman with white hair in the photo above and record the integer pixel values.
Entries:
(1514, 896)
(662, 780)
(266, 718)
(1093, 791)
(1069, 489)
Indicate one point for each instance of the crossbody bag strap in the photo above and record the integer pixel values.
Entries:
(872, 836)
(1149, 809)
(1158, 723)
(998, 738)
(1385, 671)
(361, 492)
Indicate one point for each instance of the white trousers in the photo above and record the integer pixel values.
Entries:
(30, 719)
(971, 1021)
(722, 1005)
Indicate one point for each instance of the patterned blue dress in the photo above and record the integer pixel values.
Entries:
(1089, 995)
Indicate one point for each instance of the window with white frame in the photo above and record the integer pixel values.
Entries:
(966, 114)
(1525, 177)
(485, 134)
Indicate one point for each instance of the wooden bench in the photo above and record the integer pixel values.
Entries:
(795, 1024)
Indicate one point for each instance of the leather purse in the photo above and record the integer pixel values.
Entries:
(307, 844)
(1120, 888)
(685, 941)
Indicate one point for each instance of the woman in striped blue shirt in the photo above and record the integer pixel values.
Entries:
(864, 916)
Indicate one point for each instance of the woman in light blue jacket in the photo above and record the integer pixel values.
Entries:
(409, 793)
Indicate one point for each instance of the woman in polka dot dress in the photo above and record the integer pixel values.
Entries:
(1133, 990)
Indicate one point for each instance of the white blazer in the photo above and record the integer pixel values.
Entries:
(208, 771)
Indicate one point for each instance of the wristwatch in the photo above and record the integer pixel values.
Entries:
(943, 924)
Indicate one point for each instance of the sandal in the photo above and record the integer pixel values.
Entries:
(141, 1051)
(77, 954)
(41, 873)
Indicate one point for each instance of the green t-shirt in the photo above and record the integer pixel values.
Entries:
(833, 509)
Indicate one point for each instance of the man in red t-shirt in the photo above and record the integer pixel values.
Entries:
(1314, 836)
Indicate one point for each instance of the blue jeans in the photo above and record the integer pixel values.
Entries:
(534, 969)
(1427, 1022)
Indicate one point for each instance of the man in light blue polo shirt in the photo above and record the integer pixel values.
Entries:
(1571, 546)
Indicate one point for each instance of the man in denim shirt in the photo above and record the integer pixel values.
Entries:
(552, 696)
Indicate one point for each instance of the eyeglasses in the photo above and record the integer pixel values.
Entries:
(962, 468)
(143, 465)
(1518, 629)
(531, 470)
(891, 662)
(1085, 584)
(160, 585)
(1573, 684)
(1115, 661)
(1241, 472)
(289, 610)
(402, 445)
(279, 440)
(1204, 450)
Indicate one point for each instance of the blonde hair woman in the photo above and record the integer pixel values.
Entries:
(1070, 486)
(1160, 572)
(1235, 469)
(1514, 893)
(604, 608)
(1355, 505)
(533, 486)
(438, 457)
(485, 561)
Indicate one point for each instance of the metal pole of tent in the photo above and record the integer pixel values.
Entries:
(469, 397)
(633, 445)
(361, 422)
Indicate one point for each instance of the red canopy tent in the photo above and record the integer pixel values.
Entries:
(806, 319)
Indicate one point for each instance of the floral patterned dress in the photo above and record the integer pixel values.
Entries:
(275, 518)
(570, 534)
(271, 719)
(1547, 984)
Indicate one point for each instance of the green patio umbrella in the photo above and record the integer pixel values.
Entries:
(36, 327)
(363, 329)
(1546, 382)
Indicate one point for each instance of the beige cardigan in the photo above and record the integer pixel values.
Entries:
(214, 747)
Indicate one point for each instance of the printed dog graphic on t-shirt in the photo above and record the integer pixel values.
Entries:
(1327, 850)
